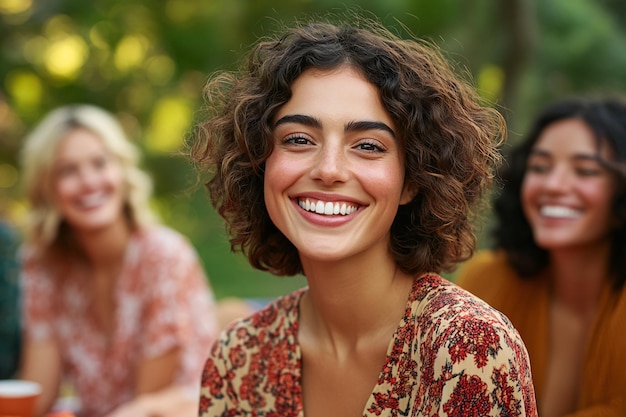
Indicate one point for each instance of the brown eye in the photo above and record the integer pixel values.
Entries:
(100, 162)
(370, 147)
(588, 172)
(537, 168)
(297, 140)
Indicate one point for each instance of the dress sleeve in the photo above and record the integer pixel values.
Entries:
(470, 360)
(37, 288)
(485, 368)
(215, 384)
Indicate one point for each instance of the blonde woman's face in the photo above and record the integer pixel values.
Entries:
(88, 183)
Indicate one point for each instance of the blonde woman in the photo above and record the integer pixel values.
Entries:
(113, 301)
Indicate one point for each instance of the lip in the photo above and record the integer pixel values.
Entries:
(328, 197)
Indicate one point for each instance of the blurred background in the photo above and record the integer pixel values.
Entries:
(147, 61)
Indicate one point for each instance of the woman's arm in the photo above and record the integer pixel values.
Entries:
(156, 394)
(41, 363)
(157, 373)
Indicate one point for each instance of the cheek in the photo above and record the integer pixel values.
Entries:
(389, 181)
(601, 196)
(528, 192)
(64, 188)
(271, 168)
(116, 175)
(272, 181)
(281, 171)
(117, 179)
(63, 192)
(121, 184)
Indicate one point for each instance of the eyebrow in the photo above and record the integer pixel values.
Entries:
(350, 126)
(578, 156)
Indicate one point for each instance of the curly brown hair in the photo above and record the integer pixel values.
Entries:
(450, 139)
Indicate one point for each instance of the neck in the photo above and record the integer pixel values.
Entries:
(105, 247)
(355, 299)
(579, 275)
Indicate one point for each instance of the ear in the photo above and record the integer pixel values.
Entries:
(408, 194)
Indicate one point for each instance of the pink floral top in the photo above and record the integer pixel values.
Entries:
(451, 355)
(163, 302)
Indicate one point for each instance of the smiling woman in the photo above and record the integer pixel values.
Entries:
(559, 263)
(113, 301)
(356, 158)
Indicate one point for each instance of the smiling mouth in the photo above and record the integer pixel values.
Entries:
(327, 208)
(94, 200)
(559, 212)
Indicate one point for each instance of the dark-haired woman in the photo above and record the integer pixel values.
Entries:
(355, 158)
(559, 262)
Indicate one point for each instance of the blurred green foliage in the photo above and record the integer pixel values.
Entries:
(147, 61)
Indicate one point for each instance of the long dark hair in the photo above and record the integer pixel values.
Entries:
(606, 117)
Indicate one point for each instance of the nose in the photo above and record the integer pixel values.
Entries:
(557, 180)
(331, 164)
(88, 177)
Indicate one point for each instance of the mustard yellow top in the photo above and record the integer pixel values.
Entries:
(603, 387)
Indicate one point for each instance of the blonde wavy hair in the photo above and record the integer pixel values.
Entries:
(44, 222)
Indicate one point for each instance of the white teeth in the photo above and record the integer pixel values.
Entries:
(327, 208)
(92, 200)
(559, 211)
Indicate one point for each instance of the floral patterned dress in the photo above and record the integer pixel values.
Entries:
(163, 302)
(451, 355)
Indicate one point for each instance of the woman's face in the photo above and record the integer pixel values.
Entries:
(566, 194)
(334, 180)
(89, 189)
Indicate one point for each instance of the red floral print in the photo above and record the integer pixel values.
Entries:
(163, 302)
(451, 355)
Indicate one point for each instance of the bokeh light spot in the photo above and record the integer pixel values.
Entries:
(66, 56)
(160, 69)
(181, 11)
(169, 122)
(25, 88)
(490, 82)
(15, 6)
(130, 52)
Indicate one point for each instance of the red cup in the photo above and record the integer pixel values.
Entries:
(18, 398)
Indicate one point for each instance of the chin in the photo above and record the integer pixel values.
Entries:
(94, 224)
(553, 244)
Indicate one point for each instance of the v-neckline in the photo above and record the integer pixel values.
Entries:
(294, 319)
